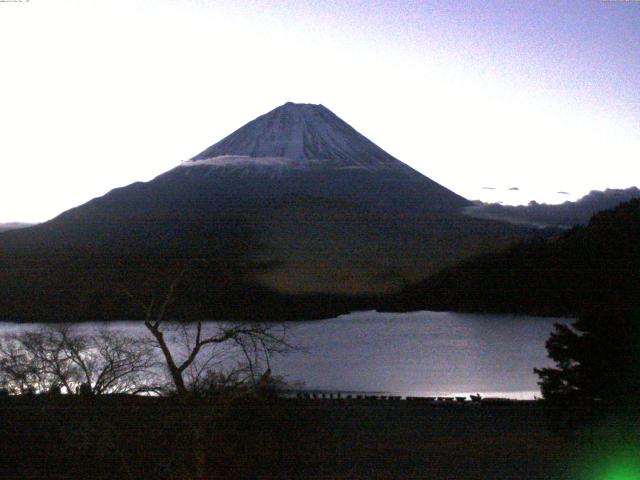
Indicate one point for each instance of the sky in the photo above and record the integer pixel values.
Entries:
(507, 101)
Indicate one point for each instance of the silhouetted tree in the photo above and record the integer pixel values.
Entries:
(198, 356)
(61, 356)
(597, 358)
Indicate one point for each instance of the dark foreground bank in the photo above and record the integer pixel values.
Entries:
(136, 438)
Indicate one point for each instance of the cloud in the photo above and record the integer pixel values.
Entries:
(565, 215)
(14, 226)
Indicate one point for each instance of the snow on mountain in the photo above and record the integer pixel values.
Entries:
(304, 149)
(300, 133)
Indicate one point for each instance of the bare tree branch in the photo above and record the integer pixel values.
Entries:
(59, 355)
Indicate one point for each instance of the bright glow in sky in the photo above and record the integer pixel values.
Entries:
(543, 96)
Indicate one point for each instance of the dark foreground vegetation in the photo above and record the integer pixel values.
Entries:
(128, 437)
(597, 359)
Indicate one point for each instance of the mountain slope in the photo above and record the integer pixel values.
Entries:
(583, 267)
(293, 215)
(307, 150)
(301, 132)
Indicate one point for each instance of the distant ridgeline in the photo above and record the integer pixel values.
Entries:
(564, 215)
(565, 276)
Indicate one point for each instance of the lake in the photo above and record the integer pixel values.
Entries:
(420, 353)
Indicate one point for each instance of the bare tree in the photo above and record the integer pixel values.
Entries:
(20, 372)
(195, 353)
(61, 356)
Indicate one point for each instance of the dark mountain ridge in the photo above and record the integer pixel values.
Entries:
(564, 215)
(566, 276)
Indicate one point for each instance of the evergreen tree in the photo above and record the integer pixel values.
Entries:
(597, 358)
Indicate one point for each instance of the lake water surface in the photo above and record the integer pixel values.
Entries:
(420, 353)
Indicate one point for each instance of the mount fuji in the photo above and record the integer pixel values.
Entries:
(303, 149)
(294, 215)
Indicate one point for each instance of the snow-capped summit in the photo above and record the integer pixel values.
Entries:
(300, 133)
(305, 149)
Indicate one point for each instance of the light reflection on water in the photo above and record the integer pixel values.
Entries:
(419, 354)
